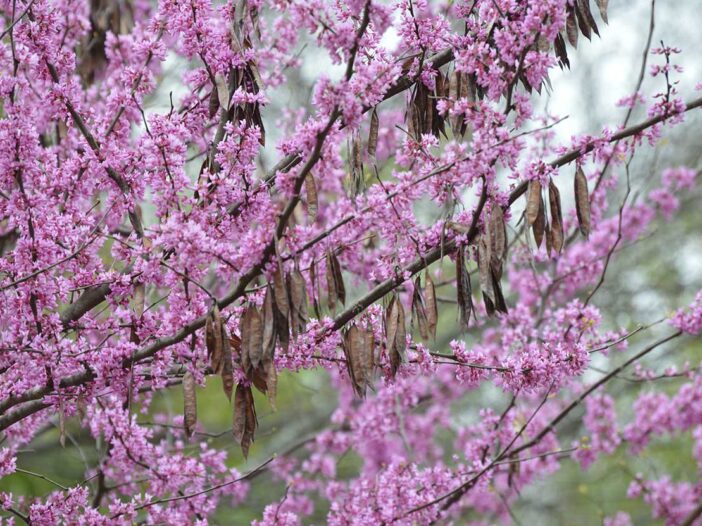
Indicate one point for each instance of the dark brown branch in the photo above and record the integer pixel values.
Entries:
(25, 518)
(251, 474)
(17, 20)
(693, 516)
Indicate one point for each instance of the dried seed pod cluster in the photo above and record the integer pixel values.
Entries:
(245, 78)
(359, 343)
(422, 115)
(284, 311)
(579, 17)
(536, 216)
(492, 253)
(553, 229)
(582, 202)
(245, 421)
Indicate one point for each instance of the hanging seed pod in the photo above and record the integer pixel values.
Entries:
(419, 312)
(298, 302)
(533, 197)
(357, 165)
(214, 103)
(213, 339)
(500, 304)
(312, 198)
(315, 289)
(189, 404)
(280, 292)
(222, 91)
(539, 226)
(269, 327)
(485, 275)
(584, 9)
(554, 198)
(431, 304)
(395, 340)
(572, 26)
(373, 135)
(251, 339)
(227, 372)
(464, 292)
(245, 421)
(602, 6)
(582, 202)
(335, 281)
(559, 47)
(354, 342)
(498, 239)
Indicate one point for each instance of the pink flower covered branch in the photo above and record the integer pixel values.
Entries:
(184, 205)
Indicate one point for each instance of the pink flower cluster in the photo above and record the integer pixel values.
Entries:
(131, 218)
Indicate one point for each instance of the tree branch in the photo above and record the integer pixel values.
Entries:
(454, 496)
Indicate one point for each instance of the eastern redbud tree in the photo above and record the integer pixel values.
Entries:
(145, 251)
